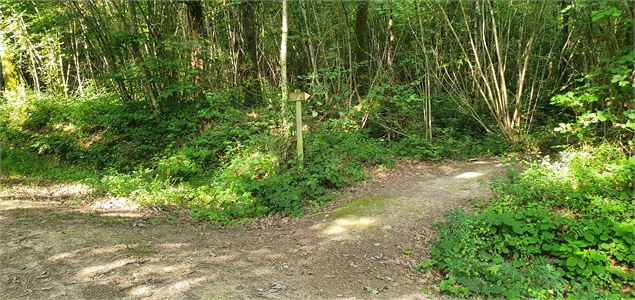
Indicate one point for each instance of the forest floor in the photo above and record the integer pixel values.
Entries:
(64, 241)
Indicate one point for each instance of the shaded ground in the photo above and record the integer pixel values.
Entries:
(59, 241)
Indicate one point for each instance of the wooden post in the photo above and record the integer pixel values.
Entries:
(298, 97)
(298, 129)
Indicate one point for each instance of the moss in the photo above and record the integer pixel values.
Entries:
(360, 207)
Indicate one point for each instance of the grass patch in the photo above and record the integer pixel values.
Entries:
(137, 249)
(19, 164)
(359, 207)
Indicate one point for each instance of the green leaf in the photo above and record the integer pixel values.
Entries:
(513, 293)
(547, 235)
(589, 237)
(618, 78)
(497, 259)
(572, 261)
(518, 228)
(598, 270)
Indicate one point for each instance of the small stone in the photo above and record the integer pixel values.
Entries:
(277, 287)
(376, 244)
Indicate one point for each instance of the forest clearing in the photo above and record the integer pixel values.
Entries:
(236, 149)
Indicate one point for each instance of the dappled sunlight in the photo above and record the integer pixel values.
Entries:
(84, 252)
(343, 225)
(88, 273)
(172, 246)
(162, 292)
(90, 251)
(117, 207)
(266, 252)
(131, 215)
(115, 203)
(468, 175)
(146, 275)
(482, 162)
(87, 142)
(47, 191)
(19, 205)
(147, 271)
(66, 127)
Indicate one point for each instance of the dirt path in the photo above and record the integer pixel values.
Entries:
(54, 245)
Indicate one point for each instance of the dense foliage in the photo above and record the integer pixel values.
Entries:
(556, 229)
(222, 163)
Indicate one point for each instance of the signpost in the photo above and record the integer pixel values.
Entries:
(297, 96)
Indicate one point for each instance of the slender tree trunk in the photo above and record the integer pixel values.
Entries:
(283, 63)
(1, 77)
(391, 41)
(137, 56)
(362, 48)
(75, 46)
(314, 78)
(196, 22)
(63, 76)
(1, 69)
(249, 62)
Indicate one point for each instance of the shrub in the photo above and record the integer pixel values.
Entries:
(555, 230)
(258, 179)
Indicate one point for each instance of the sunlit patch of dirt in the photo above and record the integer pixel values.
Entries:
(114, 204)
(38, 191)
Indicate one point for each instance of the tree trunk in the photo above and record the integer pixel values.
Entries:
(137, 57)
(362, 47)
(283, 63)
(314, 68)
(249, 60)
(391, 41)
(1, 77)
(196, 22)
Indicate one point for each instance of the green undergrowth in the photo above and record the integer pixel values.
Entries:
(212, 156)
(222, 163)
(254, 178)
(559, 229)
(19, 164)
(451, 145)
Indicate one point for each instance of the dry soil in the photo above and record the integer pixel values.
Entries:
(62, 241)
